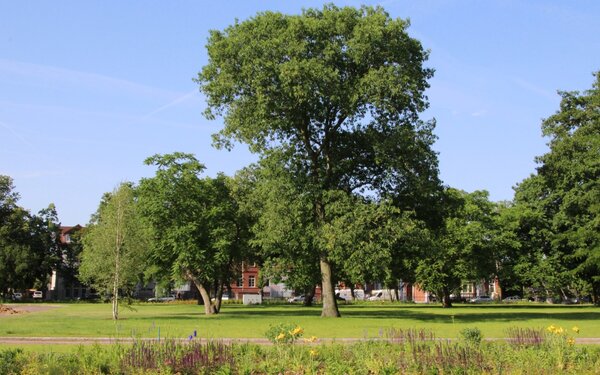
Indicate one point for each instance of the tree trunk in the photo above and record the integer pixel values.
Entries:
(115, 301)
(446, 298)
(309, 295)
(209, 308)
(330, 308)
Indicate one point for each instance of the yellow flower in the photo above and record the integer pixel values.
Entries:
(559, 330)
(281, 336)
(575, 329)
(313, 353)
(551, 329)
(570, 341)
(311, 339)
(297, 331)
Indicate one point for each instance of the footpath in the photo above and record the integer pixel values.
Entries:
(258, 341)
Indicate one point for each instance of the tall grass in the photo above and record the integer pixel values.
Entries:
(405, 352)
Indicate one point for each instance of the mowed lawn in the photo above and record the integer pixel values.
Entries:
(175, 320)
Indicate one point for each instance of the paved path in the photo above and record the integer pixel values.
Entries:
(259, 341)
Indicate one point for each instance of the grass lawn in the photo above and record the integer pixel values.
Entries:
(361, 320)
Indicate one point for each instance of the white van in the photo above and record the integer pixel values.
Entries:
(346, 294)
(381, 295)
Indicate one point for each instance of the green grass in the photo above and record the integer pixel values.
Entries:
(361, 320)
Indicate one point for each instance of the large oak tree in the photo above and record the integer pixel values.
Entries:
(334, 95)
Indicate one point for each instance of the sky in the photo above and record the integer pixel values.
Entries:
(89, 89)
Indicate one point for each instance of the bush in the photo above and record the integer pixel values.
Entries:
(10, 362)
(472, 336)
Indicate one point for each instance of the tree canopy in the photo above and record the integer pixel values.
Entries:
(199, 233)
(28, 243)
(333, 95)
(115, 246)
(564, 195)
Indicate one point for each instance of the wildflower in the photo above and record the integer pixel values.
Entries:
(297, 331)
(570, 341)
(559, 330)
(313, 353)
(551, 329)
(311, 339)
(575, 329)
(281, 336)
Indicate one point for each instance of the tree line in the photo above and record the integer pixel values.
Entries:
(346, 188)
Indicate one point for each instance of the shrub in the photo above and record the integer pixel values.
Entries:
(472, 336)
(10, 361)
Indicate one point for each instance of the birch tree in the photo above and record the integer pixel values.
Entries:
(114, 246)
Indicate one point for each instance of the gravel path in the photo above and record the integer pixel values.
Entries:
(259, 341)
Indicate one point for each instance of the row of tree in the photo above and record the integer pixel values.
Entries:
(201, 229)
(346, 188)
(29, 246)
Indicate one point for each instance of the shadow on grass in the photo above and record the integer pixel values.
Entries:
(240, 312)
(487, 315)
(428, 313)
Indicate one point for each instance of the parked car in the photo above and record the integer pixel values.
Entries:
(38, 294)
(17, 296)
(162, 299)
(481, 299)
(299, 298)
(512, 299)
(380, 295)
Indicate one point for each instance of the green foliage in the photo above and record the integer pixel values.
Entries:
(115, 245)
(330, 98)
(367, 357)
(560, 204)
(199, 232)
(28, 243)
(471, 335)
(462, 248)
(10, 361)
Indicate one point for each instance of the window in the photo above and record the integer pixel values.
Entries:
(251, 281)
(240, 282)
(467, 288)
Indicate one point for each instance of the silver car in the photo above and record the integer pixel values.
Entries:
(481, 299)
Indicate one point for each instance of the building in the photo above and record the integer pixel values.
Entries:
(64, 283)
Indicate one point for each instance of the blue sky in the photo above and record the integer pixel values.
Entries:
(89, 89)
